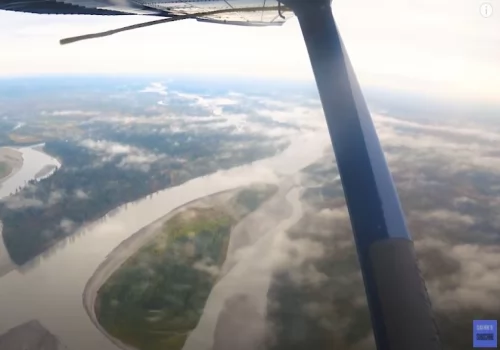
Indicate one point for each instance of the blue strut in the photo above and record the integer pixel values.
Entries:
(399, 305)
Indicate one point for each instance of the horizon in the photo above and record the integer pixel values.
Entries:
(446, 50)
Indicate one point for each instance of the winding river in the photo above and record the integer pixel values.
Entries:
(33, 161)
(51, 290)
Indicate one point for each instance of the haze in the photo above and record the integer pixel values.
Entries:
(443, 48)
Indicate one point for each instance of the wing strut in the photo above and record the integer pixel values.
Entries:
(198, 15)
(400, 309)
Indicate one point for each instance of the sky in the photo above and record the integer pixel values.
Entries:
(444, 48)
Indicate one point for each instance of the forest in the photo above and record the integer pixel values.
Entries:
(156, 298)
(86, 187)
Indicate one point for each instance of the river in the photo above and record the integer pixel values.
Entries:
(51, 290)
(33, 161)
(247, 275)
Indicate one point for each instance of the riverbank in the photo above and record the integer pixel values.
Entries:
(130, 246)
(27, 163)
(274, 216)
(52, 289)
(241, 293)
(46, 171)
(13, 160)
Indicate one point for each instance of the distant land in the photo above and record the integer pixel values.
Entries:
(116, 144)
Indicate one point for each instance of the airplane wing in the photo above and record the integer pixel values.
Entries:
(236, 12)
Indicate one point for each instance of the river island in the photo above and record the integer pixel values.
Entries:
(174, 263)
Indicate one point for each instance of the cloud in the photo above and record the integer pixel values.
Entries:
(221, 113)
(129, 156)
(67, 226)
(211, 103)
(316, 310)
(467, 276)
(140, 158)
(456, 148)
(19, 202)
(444, 216)
(447, 178)
(461, 60)
(70, 113)
(308, 276)
(446, 175)
(297, 114)
(80, 194)
(107, 147)
(157, 87)
(290, 253)
(55, 197)
(207, 266)
(239, 325)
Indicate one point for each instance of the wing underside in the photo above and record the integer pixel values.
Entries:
(239, 12)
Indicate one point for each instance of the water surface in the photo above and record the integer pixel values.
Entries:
(51, 290)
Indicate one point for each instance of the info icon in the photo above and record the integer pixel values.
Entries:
(484, 333)
(486, 9)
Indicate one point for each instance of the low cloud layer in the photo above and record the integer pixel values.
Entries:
(447, 178)
(230, 113)
(130, 156)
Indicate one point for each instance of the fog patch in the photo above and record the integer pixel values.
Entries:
(80, 194)
(156, 87)
(207, 266)
(20, 202)
(67, 225)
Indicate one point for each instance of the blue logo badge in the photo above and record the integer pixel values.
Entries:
(484, 334)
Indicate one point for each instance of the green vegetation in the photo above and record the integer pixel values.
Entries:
(157, 296)
(32, 218)
(251, 199)
(5, 169)
(145, 147)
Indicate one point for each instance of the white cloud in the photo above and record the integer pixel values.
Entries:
(476, 282)
(141, 158)
(70, 113)
(131, 157)
(206, 266)
(453, 147)
(444, 216)
(67, 225)
(308, 275)
(292, 253)
(55, 197)
(18, 202)
(211, 102)
(472, 131)
(80, 194)
(108, 147)
(158, 88)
